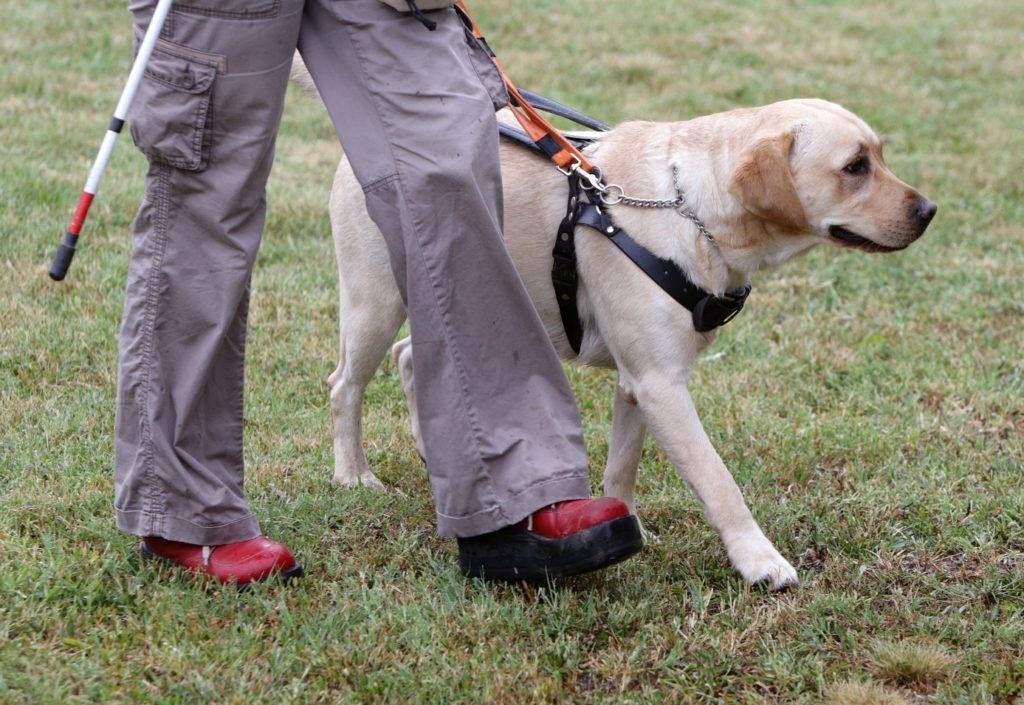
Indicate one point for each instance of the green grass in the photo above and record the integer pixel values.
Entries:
(870, 407)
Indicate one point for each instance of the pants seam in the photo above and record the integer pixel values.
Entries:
(240, 401)
(380, 183)
(155, 502)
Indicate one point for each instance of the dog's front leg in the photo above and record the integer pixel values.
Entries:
(672, 417)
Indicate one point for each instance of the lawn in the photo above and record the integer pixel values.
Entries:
(870, 407)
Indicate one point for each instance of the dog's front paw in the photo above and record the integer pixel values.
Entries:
(363, 479)
(759, 563)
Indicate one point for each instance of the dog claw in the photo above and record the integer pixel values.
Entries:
(650, 538)
(777, 581)
(758, 561)
(366, 479)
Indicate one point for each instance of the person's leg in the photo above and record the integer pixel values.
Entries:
(500, 428)
(206, 117)
(498, 418)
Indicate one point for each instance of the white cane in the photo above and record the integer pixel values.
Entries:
(66, 250)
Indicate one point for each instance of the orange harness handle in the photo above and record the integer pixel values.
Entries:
(545, 135)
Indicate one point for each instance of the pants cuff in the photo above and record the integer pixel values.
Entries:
(174, 529)
(516, 508)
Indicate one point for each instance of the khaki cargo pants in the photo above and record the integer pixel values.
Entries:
(414, 110)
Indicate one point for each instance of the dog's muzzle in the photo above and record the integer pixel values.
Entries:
(922, 211)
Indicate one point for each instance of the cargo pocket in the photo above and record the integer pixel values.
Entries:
(421, 5)
(222, 9)
(231, 9)
(170, 126)
(485, 68)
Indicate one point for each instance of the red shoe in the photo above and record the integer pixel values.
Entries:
(242, 562)
(564, 539)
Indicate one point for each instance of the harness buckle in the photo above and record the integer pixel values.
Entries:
(714, 311)
(574, 167)
(593, 181)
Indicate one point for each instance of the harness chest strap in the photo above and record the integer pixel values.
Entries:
(708, 311)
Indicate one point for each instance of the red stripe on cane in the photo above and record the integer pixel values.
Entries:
(80, 212)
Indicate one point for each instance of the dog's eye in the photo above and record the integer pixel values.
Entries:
(858, 167)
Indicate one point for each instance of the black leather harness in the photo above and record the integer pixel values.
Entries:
(708, 311)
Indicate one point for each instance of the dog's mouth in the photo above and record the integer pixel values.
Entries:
(852, 239)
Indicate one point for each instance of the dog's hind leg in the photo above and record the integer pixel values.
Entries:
(370, 312)
(401, 356)
(366, 333)
(624, 449)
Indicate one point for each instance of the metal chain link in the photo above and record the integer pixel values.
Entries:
(613, 194)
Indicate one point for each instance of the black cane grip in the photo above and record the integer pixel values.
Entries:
(62, 260)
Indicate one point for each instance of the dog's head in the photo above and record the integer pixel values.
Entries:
(814, 168)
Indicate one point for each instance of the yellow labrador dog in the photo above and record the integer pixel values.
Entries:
(766, 183)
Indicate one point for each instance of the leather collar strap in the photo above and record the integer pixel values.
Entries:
(708, 311)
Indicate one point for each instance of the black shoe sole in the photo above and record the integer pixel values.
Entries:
(515, 554)
(284, 576)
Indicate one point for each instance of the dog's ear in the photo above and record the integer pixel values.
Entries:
(763, 182)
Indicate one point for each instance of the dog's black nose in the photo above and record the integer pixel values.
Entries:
(924, 210)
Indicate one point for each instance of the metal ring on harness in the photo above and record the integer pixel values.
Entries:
(612, 194)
